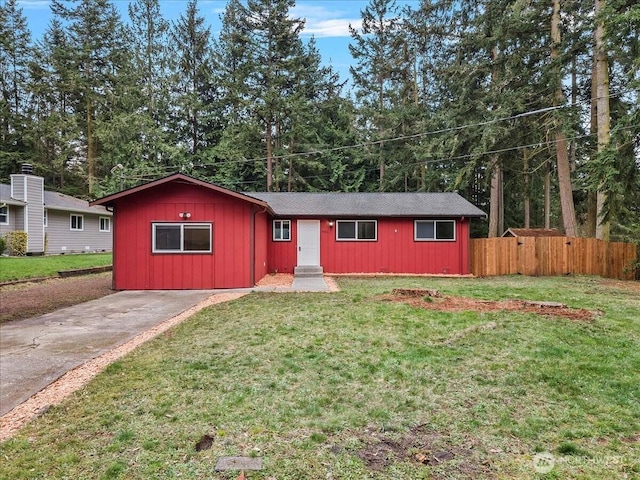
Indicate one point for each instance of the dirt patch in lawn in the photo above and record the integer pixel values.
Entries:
(428, 448)
(449, 303)
(26, 300)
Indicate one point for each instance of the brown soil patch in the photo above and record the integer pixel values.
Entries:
(448, 303)
(26, 300)
(276, 280)
(428, 448)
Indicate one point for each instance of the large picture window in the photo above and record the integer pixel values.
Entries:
(366, 230)
(435, 230)
(181, 238)
(282, 230)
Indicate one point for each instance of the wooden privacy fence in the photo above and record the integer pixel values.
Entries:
(540, 256)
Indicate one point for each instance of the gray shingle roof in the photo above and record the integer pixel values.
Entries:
(5, 196)
(410, 204)
(56, 201)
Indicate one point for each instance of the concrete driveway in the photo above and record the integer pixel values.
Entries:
(37, 351)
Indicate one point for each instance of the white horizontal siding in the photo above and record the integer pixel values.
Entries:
(16, 219)
(35, 214)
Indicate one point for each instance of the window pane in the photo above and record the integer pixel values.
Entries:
(367, 230)
(424, 230)
(167, 237)
(277, 230)
(197, 238)
(286, 229)
(346, 230)
(445, 231)
(76, 222)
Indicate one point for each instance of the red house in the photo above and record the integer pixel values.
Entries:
(182, 233)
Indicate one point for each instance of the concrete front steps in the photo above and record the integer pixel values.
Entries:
(307, 271)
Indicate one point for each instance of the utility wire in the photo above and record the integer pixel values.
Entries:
(420, 162)
(415, 135)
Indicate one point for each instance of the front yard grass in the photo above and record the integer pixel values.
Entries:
(349, 386)
(22, 268)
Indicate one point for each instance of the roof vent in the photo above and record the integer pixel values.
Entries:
(27, 169)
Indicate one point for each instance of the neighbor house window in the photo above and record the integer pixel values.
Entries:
(357, 230)
(4, 214)
(181, 237)
(435, 230)
(77, 222)
(45, 217)
(282, 230)
(105, 224)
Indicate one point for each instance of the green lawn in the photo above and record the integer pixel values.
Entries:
(350, 386)
(18, 268)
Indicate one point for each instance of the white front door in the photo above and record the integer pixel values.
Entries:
(309, 242)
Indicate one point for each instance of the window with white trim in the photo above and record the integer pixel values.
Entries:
(105, 224)
(426, 230)
(181, 237)
(4, 215)
(359, 230)
(282, 230)
(77, 222)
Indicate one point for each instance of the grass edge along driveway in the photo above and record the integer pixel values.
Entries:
(350, 385)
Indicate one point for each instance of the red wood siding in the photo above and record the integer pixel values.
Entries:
(395, 251)
(262, 232)
(228, 266)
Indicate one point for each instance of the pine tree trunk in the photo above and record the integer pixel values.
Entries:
(547, 196)
(496, 210)
(592, 205)
(562, 152)
(527, 197)
(269, 155)
(602, 88)
(91, 154)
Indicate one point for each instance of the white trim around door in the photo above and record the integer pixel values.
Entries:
(308, 243)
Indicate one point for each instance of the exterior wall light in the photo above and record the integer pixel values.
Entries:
(330, 223)
(184, 215)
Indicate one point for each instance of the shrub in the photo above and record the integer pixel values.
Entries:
(3, 246)
(17, 243)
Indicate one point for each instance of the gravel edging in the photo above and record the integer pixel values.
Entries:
(78, 377)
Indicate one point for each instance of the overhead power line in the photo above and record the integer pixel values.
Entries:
(417, 135)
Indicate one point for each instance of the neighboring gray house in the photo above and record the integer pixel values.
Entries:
(55, 223)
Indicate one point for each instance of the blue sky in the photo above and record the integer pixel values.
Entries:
(327, 20)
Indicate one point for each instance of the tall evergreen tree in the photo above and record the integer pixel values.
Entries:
(55, 131)
(192, 80)
(97, 40)
(377, 76)
(15, 54)
(148, 37)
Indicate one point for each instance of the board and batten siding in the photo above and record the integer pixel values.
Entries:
(395, 250)
(61, 239)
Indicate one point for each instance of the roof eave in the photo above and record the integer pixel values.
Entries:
(110, 200)
(104, 213)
